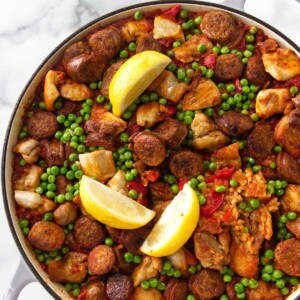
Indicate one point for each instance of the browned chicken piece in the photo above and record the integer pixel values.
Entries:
(228, 156)
(268, 45)
(264, 291)
(287, 256)
(27, 178)
(29, 149)
(288, 167)
(244, 259)
(119, 287)
(207, 284)
(47, 206)
(291, 197)
(135, 30)
(95, 290)
(160, 191)
(210, 224)
(159, 207)
(65, 214)
(256, 187)
(179, 261)
(189, 52)
(209, 250)
(203, 93)
(270, 102)
(73, 268)
(148, 43)
(294, 227)
(46, 236)
(176, 289)
(148, 268)
(75, 91)
(148, 114)
(296, 101)
(150, 294)
(168, 86)
(53, 152)
(287, 132)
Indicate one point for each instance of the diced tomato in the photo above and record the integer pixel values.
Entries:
(238, 87)
(220, 181)
(82, 294)
(151, 175)
(136, 185)
(182, 182)
(287, 84)
(167, 42)
(142, 200)
(221, 174)
(209, 61)
(213, 201)
(171, 13)
(169, 112)
(227, 216)
(190, 257)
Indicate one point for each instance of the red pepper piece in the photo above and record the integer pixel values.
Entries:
(136, 185)
(151, 175)
(287, 84)
(167, 42)
(213, 201)
(169, 112)
(190, 257)
(209, 61)
(227, 216)
(82, 295)
(142, 200)
(182, 182)
(171, 13)
(238, 87)
(221, 174)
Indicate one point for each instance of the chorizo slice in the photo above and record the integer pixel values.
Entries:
(95, 290)
(294, 227)
(150, 149)
(288, 167)
(74, 50)
(287, 256)
(176, 289)
(46, 236)
(42, 125)
(185, 164)
(119, 287)
(160, 191)
(234, 124)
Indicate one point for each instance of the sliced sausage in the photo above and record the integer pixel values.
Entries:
(185, 164)
(119, 287)
(288, 167)
(150, 294)
(148, 43)
(234, 124)
(255, 71)
(176, 289)
(74, 50)
(107, 42)
(46, 236)
(207, 284)
(172, 132)
(69, 107)
(73, 268)
(287, 256)
(42, 125)
(53, 152)
(261, 141)
(101, 260)
(294, 227)
(108, 75)
(160, 191)
(65, 214)
(228, 66)
(88, 233)
(95, 290)
(149, 148)
(218, 26)
(86, 67)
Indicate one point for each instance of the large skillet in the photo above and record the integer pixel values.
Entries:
(22, 276)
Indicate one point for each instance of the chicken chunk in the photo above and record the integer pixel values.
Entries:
(134, 30)
(148, 114)
(75, 91)
(282, 64)
(150, 294)
(291, 197)
(29, 200)
(264, 291)
(29, 149)
(228, 156)
(119, 183)
(179, 261)
(204, 93)
(271, 102)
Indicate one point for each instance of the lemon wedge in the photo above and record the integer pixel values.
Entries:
(175, 226)
(112, 208)
(133, 78)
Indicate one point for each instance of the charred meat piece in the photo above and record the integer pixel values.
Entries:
(160, 191)
(53, 152)
(61, 184)
(288, 167)
(150, 149)
(234, 124)
(73, 268)
(207, 284)
(287, 256)
(255, 71)
(176, 289)
(294, 227)
(172, 132)
(228, 66)
(68, 107)
(119, 287)
(46, 236)
(95, 290)
(88, 233)
(42, 125)
(74, 50)
(148, 43)
(185, 164)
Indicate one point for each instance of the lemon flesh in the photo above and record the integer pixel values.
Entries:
(112, 208)
(133, 78)
(175, 226)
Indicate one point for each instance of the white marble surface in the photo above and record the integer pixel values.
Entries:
(30, 29)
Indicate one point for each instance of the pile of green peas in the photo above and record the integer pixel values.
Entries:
(283, 233)
(276, 187)
(249, 205)
(47, 256)
(251, 164)
(132, 258)
(227, 274)
(153, 283)
(73, 288)
(24, 225)
(169, 270)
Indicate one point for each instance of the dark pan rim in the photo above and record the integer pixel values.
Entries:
(141, 5)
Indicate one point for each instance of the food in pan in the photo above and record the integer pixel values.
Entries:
(159, 159)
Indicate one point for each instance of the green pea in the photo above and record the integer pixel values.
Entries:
(224, 297)
(183, 13)
(249, 38)
(233, 183)
(230, 87)
(185, 26)
(181, 73)
(225, 50)
(227, 278)
(293, 281)
(198, 20)
(242, 205)
(191, 297)
(216, 49)
(266, 277)
(241, 295)
(201, 48)
(131, 46)
(170, 53)
(254, 203)
(245, 282)
(133, 194)
(138, 15)
(294, 90)
(239, 288)
(268, 269)
(253, 30)
(177, 274)
(176, 44)
(220, 189)
(210, 73)
(291, 215)
(137, 259)
(203, 70)
(284, 291)
(161, 286)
